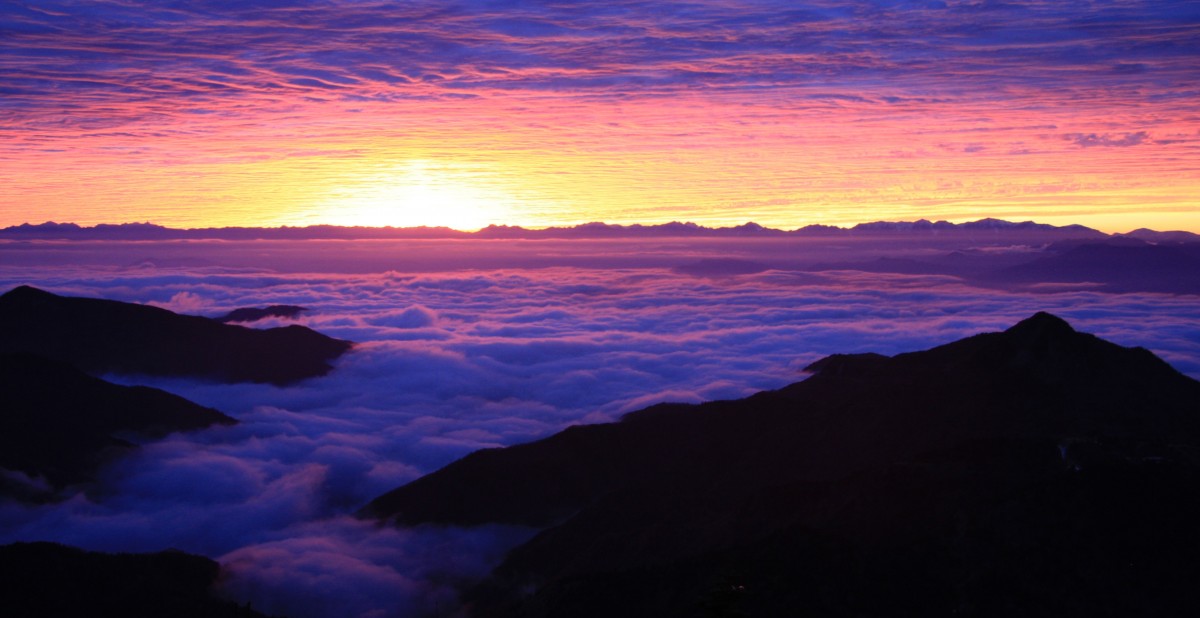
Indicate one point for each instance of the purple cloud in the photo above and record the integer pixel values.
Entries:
(706, 110)
(1088, 140)
(66, 56)
(457, 360)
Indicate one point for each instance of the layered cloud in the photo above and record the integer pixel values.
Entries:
(453, 360)
(218, 113)
(149, 54)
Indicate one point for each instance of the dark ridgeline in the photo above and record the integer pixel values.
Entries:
(720, 267)
(61, 424)
(978, 230)
(254, 314)
(46, 580)
(102, 336)
(1118, 264)
(1123, 264)
(1037, 471)
(58, 425)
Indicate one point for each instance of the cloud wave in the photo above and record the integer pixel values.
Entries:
(457, 360)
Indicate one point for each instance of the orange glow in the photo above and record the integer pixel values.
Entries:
(624, 164)
(717, 116)
(417, 193)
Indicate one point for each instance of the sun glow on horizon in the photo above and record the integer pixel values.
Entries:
(417, 193)
(389, 114)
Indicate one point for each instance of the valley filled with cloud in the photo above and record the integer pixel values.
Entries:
(451, 357)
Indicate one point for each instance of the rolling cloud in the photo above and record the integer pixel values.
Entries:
(454, 360)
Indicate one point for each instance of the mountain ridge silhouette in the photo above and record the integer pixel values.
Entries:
(856, 491)
(106, 336)
(60, 425)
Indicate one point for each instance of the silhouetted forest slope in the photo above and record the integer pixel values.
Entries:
(102, 336)
(60, 424)
(1034, 471)
(47, 580)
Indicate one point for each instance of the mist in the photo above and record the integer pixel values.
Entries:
(452, 359)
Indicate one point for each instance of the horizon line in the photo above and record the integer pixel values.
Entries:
(146, 230)
(919, 223)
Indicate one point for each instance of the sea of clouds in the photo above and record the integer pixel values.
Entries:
(450, 360)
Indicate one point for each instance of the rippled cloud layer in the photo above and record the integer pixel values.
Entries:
(473, 112)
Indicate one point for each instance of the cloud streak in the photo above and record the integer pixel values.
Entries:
(716, 111)
(1091, 139)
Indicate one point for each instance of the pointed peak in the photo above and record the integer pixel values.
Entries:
(1042, 324)
(25, 291)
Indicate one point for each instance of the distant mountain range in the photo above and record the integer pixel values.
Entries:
(1035, 471)
(148, 231)
(992, 253)
(106, 336)
(1119, 265)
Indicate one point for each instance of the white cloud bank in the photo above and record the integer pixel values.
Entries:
(455, 361)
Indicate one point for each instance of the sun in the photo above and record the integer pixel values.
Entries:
(419, 193)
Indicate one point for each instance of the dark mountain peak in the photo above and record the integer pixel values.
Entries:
(24, 293)
(101, 336)
(1041, 325)
(1032, 343)
(1046, 351)
(1039, 377)
(1036, 449)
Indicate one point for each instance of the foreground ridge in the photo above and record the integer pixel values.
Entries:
(59, 425)
(1012, 472)
(48, 579)
(106, 336)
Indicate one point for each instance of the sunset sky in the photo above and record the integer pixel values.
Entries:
(362, 112)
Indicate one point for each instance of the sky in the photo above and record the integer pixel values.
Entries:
(449, 360)
(208, 113)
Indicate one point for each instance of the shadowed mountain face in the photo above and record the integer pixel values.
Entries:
(101, 336)
(1121, 265)
(46, 580)
(59, 423)
(1037, 470)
